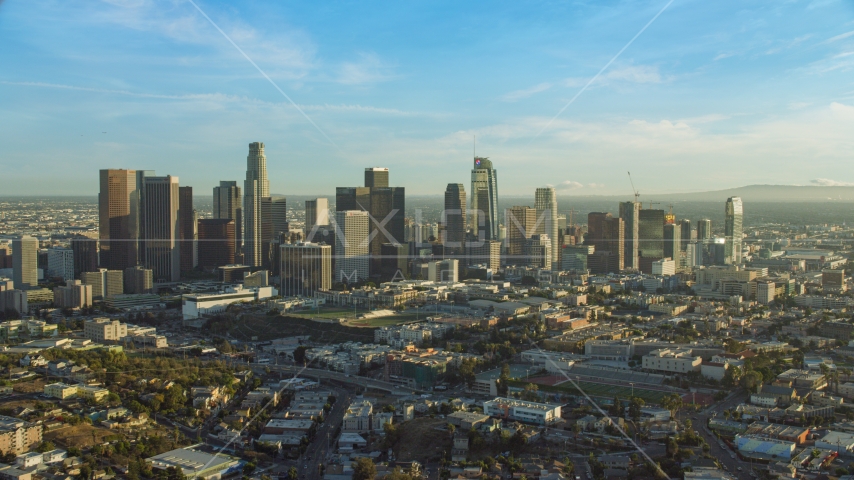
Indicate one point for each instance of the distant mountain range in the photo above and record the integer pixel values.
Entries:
(750, 193)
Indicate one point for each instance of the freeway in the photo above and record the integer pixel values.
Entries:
(363, 382)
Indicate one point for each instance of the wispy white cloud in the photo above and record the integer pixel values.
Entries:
(634, 74)
(826, 182)
(286, 53)
(525, 93)
(368, 68)
(799, 105)
(787, 44)
(221, 98)
(838, 61)
(841, 36)
(722, 56)
(569, 185)
(710, 118)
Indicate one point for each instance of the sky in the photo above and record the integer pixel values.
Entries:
(709, 95)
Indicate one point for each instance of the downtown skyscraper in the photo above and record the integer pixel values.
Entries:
(162, 227)
(385, 206)
(607, 234)
(454, 217)
(255, 188)
(630, 213)
(545, 202)
(704, 229)
(118, 215)
(650, 238)
(484, 199)
(25, 253)
(228, 204)
(733, 231)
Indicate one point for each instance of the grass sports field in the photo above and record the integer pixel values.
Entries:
(599, 390)
(346, 314)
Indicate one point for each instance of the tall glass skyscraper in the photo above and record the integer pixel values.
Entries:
(161, 228)
(733, 231)
(704, 229)
(650, 238)
(484, 198)
(454, 217)
(630, 213)
(255, 187)
(228, 204)
(545, 201)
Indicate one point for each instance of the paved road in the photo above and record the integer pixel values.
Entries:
(324, 440)
(723, 454)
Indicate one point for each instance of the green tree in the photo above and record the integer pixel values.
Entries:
(299, 355)
(503, 380)
(364, 469)
(45, 446)
(751, 380)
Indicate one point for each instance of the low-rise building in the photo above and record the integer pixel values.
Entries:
(789, 433)
(357, 418)
(802, 379)
(834, 440)
(60, 390)
(104, 329)
(200, 305)
(672, 360)
(467, 420)
(195, 463)
(762, 447)
(522, 411)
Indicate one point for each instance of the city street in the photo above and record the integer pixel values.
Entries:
(324, 440)
(728, 458)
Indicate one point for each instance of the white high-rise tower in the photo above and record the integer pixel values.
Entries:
(733, 231)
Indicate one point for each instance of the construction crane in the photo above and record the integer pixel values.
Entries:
(637, 194)
(572, 211)
(653, 203)
(670, 218)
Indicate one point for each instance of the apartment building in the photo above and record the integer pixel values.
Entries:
(104, 329)
(672, 360)
(18, 436)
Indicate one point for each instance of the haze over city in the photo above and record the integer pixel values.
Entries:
(574, 240)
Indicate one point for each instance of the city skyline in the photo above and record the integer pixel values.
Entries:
(748, 89)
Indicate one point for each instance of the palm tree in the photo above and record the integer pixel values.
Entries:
(847, 372)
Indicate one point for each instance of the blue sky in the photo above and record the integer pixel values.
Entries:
(712, 95)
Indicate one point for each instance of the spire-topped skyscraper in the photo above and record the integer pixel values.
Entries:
(255, 188)
(484, 199)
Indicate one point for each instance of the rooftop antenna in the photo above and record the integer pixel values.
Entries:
(474, 145)
(633, 187)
